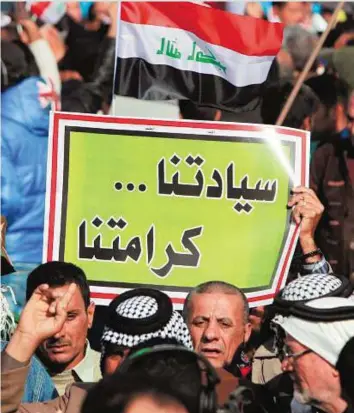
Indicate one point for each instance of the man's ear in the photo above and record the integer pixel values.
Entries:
(248, 331)
(335, 372)
(90, 313)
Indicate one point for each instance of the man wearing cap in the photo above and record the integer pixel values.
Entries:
(138, 316)
(266, 364)
(134, 318)
(315, 333)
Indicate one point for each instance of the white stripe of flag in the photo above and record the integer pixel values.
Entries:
(143, 41)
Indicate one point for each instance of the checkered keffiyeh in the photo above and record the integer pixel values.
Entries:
(310, 287)
(140, 307)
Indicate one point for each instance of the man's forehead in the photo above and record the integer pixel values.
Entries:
(76, 302)
(216, 303)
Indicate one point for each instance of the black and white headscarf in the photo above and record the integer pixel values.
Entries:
(310, 287)
(302, 290)
(139, 315)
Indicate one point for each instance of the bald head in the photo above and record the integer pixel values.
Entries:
(217, 317)
(219, 287)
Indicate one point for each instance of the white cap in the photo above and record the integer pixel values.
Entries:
(325, 338)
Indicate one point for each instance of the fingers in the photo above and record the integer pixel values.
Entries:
(64, 300)
(44, 293)
(304, 196)
(305, 192)
(305, 204)
(299, 189)
(306, 201)
(307, 211)
(40, 292)
(28, 24)
(296, 214)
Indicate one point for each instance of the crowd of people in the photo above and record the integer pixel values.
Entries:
(295, 355)
(218, 355)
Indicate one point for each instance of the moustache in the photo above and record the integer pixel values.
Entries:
(57, 343)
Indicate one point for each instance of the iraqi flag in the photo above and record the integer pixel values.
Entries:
(181, 50)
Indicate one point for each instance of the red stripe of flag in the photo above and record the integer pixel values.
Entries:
(39, 7)
(243, 34)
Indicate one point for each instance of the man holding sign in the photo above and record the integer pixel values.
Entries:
(217, 313)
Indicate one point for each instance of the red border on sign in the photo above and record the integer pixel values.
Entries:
(174, 123)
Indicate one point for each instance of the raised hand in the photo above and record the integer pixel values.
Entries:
(307, 210)
(43, 316)
(30, 31)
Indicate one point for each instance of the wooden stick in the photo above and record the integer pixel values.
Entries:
(307, 68)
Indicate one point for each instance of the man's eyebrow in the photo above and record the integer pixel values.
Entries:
(201, 317)
(225, 320)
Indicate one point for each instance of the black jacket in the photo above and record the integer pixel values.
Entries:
(329, 178)
(89, 97)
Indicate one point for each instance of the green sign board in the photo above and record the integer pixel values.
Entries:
(172, 204)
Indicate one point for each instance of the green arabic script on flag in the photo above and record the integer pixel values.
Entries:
(169, 49)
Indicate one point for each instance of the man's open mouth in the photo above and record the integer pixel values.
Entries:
(211, 352)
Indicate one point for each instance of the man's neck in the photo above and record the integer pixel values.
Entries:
(337, 405)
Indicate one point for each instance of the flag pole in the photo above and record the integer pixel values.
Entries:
(310, 62)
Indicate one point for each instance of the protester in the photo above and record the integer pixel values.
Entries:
(67, 354)
(26, 101)
(39, 386)
(299, 43)
(134, 395)
(31, 35)
(331, 176)
(266, 363)
(84, 37)
(330, 121)
(343, 60)
(216, 312)
(210, 305)
(302, 111)
(46, 315)
(217, 317)
(289, 12)
(316, 332)
(345, 366)
(135, 317)
(172, 371)
(96, 93)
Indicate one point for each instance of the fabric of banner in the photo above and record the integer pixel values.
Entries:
(188, 51)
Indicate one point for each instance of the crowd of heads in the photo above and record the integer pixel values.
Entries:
(154, 358)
